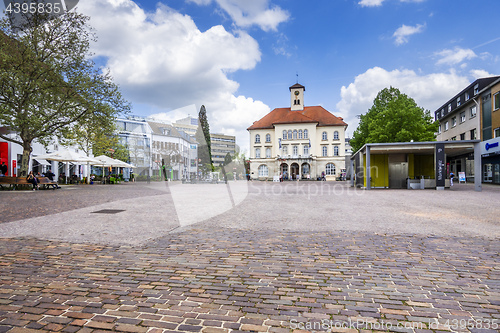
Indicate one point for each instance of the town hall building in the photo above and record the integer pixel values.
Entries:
(297, 142)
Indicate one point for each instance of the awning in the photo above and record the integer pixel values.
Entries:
(42, 161)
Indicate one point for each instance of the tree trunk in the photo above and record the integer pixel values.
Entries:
(23, 172)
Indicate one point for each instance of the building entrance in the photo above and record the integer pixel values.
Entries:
(294, 171)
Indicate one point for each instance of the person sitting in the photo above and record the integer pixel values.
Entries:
(50, 175)
(32, 180)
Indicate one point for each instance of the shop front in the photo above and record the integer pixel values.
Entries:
(490, 154)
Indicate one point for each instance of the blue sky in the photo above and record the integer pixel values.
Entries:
(238, 57)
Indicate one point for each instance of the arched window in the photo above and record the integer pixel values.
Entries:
(268, 152)
(257, 152)
(295, 150)
(268, 137)
(294, 134)
(284, 134)
(257, 138)
(324, 151)
(324, 136)
(289, 134)
(306, 134)
(263, 171)
(300, 134)
(336, 151)
(330, 169)
(335, 135)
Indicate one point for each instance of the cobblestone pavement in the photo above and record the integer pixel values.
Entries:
(68, 198)
(214, 276)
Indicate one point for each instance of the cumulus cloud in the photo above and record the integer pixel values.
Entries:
(455, 56)
(246, 13)
(402, 33)
(480, 73)
(428, 91)
(370, 3)
(161, 59)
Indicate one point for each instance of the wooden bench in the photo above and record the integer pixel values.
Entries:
(16, 182)
(11, 181)
(46, 182)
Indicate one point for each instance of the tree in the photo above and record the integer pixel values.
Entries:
(48, 84)
(202, 136)
(394, 117)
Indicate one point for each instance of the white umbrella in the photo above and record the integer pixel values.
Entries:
(111, 162)
(68, 156)
(108, 161)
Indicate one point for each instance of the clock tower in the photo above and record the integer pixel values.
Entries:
(297, 97)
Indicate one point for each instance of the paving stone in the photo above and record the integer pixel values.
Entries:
(207, 278)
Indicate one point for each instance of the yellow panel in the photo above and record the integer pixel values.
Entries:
(379, 170)
(411, 166)
(364, 171)
(424, 166)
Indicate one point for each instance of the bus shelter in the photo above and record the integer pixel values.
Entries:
(412, 165)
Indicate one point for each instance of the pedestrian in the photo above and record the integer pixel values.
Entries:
(3, 169)
(32, 180)
(50, 175)
(451, 178)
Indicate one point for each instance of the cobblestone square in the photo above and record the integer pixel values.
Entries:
(250, 257)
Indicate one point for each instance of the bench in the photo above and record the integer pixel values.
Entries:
(16, 182)
(13, 182)
(46, 182)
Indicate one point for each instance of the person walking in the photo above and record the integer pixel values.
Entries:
(451, 178)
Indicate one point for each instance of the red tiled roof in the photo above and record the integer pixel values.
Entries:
(310, 114)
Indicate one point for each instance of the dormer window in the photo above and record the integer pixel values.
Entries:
(476, 89)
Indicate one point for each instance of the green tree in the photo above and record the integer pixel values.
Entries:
(394, 117)
(48, 82)
(202, 136)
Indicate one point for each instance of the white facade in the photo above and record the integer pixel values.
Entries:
(289, 142)
(173, 148)
(136, 135)
(11, 153)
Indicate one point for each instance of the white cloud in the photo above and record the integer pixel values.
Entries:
(429, 91)
(480, 73)
(163, 60)
(455, 56)
(375, 3)
(247, 13)
(229, 115)
(402, 33)
(370, 3)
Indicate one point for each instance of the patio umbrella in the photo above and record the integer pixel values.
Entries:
(111, 162)
(68, 156)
